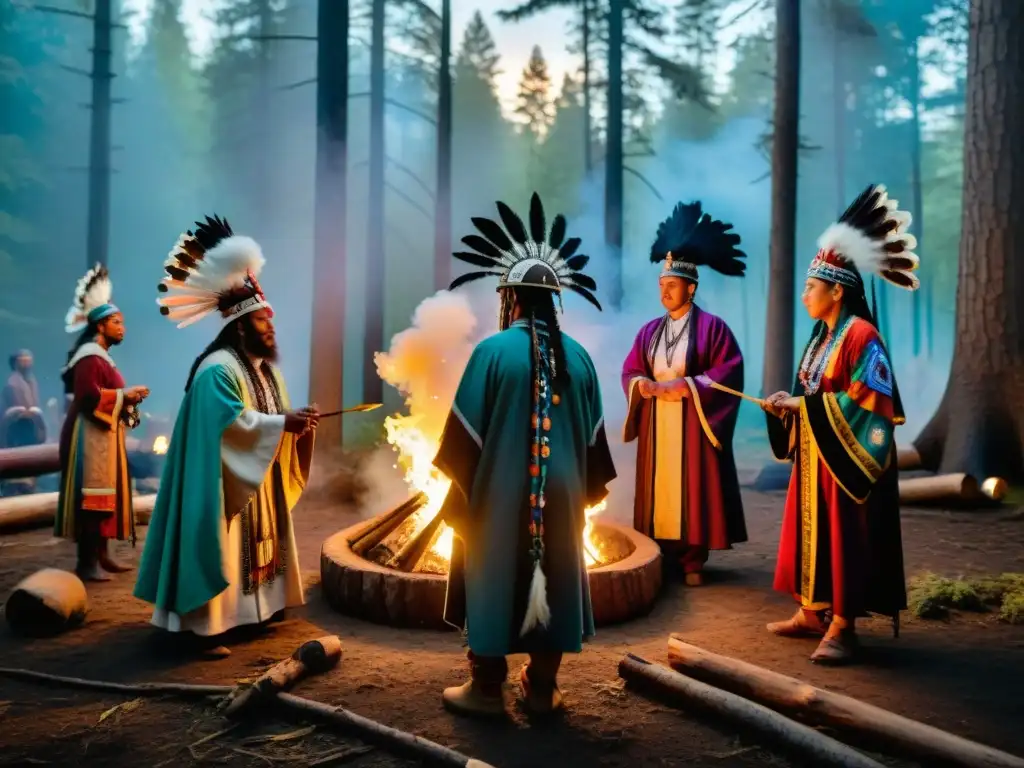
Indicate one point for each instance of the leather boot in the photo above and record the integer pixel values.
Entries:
(481, 696)
(539, 683)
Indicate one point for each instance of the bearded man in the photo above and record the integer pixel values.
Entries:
(95, 501)
(687, 491)
(220, 550)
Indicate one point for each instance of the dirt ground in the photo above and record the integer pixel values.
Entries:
(965, 675)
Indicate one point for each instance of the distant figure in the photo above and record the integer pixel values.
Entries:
(687, 491)
(841, 551)
(21, 419)
(526, 451)
(220, 549)
(95, 503)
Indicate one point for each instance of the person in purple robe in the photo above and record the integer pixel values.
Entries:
(687, 492)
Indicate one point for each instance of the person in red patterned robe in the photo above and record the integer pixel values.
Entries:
(840, 551)
(95, 500)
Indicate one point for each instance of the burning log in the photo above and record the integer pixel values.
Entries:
(312, 658)
(416, 547)
(820, 707)
(815, 747)
(379, 528)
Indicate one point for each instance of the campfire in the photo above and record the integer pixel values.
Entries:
(412, 537)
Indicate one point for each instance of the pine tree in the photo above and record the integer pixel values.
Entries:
(561, 154)
(478, 52)
(750, 90)
(534, 105)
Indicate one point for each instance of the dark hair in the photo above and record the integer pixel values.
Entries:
(538, 305)
(231, 338)
(88, 334)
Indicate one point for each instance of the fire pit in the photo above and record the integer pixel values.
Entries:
(393, 568)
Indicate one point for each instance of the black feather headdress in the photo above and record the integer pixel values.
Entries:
(690, 238)
(870, 238)
(532, 257)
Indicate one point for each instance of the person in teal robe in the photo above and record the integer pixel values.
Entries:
(526, 451)
(220, 549)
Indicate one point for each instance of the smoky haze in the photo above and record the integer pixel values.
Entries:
(235, 135)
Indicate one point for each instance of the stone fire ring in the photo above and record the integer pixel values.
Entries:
(359, 587)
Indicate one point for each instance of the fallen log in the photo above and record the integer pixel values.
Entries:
(312, 658)
(811, 744)
(29, 461)
(820, 707)
(37, 510)
(381, 526)
(954, 489)
(371, 731)
(908, 458)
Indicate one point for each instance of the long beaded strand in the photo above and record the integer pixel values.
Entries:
(540, 449)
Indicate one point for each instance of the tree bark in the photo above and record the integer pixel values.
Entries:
(778, 359)
(98, 242)
(979, 423)
(373, 338)
(443, 203)
(613, 184)
(327, 357)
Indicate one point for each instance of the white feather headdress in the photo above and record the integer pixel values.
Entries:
(872, 237)
(93, 290)
(211, 270)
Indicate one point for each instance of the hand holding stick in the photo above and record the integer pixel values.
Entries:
(354, 409)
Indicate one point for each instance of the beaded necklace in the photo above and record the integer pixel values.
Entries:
(812, 368)
(672, 342)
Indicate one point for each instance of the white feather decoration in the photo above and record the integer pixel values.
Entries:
(538, 612)
(94, 289)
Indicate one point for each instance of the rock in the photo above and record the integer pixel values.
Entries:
(47, 603)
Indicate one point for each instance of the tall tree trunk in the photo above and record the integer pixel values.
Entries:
(98, 238)
(778, 343)
(588, 133)
(443, 203)
(373, 339)
(326, 356)
(917, 203)
(979, 425)
(613, 192)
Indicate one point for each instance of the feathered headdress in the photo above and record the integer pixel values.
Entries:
(690, 238)
(538, 258)
(92, 300)
(870, 238)
(211, 270)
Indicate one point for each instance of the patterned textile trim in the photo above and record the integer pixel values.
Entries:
(695, 398)
(99, 500)
(878, 370)
(808, 460)
(864, 461)
(833, 360)
(832, 450)
(108, 410)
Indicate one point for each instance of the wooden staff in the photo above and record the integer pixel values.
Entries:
(735, 392)
(354, 409)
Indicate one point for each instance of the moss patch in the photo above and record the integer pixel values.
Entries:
(931, 596)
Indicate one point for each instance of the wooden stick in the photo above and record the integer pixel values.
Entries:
(416, 547)
(312, 658)
(354, 409)
(380, 527)
(392, 739)
(735, 392)
(820, 707)
(811, 744)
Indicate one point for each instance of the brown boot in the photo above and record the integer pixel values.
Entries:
(481, 696)
(539, 683)
(838, 647)
(801, 624)
(694, 579)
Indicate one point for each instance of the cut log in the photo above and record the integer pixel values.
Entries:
(995, 488)
(29, 461)
(47, 603)
(312, 658)
(416, 547)
(819, 707)
(952, 490)
(380, 527)
(37, 510)
(810, 744)
(908, 458)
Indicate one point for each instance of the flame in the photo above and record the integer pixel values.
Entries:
(160, 444)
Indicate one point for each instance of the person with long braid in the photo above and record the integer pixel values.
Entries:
(220, 550)
(526, 452)
(840, 550)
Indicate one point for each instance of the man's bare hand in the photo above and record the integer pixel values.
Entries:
(135, 395)
(647, 388)
(302, 421)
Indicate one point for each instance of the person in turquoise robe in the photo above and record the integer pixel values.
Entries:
(220, 549)
(526, 451)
